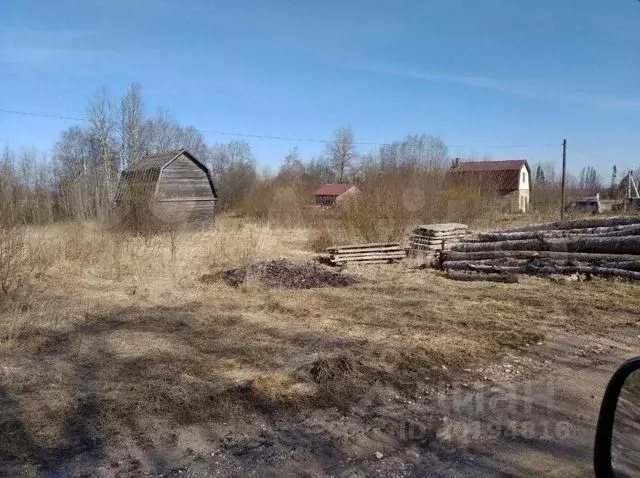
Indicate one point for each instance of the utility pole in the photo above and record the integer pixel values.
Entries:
(564, 174)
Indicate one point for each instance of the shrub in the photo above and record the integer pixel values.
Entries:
(287, 208)
(281, 204)
(320, 238)
(17, 262)
(391, 203)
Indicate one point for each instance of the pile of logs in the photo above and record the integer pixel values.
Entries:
(380, 253)
(600, 247)
(431, 238)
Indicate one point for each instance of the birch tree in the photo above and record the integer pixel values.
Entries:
(130, 127)
(100, 114)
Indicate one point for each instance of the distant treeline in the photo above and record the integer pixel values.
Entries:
(78, 180)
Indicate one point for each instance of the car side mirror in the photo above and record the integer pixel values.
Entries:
(617, 444)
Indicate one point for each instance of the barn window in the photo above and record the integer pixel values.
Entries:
(524, 177)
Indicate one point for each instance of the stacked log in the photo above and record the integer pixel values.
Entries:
(379, 253)
(428, 239)
(608, 247)
(580, 224)
(480, 276)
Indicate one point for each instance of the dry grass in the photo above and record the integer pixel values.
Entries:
(116, 338)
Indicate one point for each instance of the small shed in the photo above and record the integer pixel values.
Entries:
(330, 194)
(170, 188)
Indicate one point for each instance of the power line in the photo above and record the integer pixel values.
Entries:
(594, 155)
(42, 115)
(222, 133)
(276, 138)
(500, 146)
(283, 138)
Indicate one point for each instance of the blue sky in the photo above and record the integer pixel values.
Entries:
(482, 74)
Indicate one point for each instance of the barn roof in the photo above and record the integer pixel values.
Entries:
(333, 189)
(147, 171)
(504, 175)
(160, 160)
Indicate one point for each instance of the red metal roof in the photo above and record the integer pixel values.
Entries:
(333, 189)
(510, 165)
(502, 175)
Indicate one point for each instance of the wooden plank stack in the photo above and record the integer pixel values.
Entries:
(379, 253)
(607, 247)
(430, 238)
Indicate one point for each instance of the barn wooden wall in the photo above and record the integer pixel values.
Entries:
(190, 213)
(184, 194)
(183, 179)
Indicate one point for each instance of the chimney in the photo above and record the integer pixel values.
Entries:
(456, 163)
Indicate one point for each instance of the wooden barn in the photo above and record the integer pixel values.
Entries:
(171, 188)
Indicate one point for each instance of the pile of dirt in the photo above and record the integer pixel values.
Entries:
(287, 275)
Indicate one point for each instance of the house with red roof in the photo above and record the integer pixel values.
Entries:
(331, 194)
(510, 180)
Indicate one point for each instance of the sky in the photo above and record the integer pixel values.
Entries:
(504, 78)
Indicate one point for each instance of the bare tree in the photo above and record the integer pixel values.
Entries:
(190, 138)
(292, 169)
(415, 151)
(77, 174)
(234, 171)
(130, 127)
(102, 128)
(159, 132)
(320, 171)
(8, 187)
(162, 133)
(342, 151)
(25, 188)
(292, 159)
(589, 180)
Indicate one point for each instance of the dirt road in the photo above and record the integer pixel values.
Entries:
(552, 418)
(505, 426)
(533, 415)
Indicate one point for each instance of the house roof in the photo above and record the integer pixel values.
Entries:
(333, 189)
(147, 170)
(510, 165)
(503, 175)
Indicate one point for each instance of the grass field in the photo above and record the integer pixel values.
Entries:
(115, 338)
